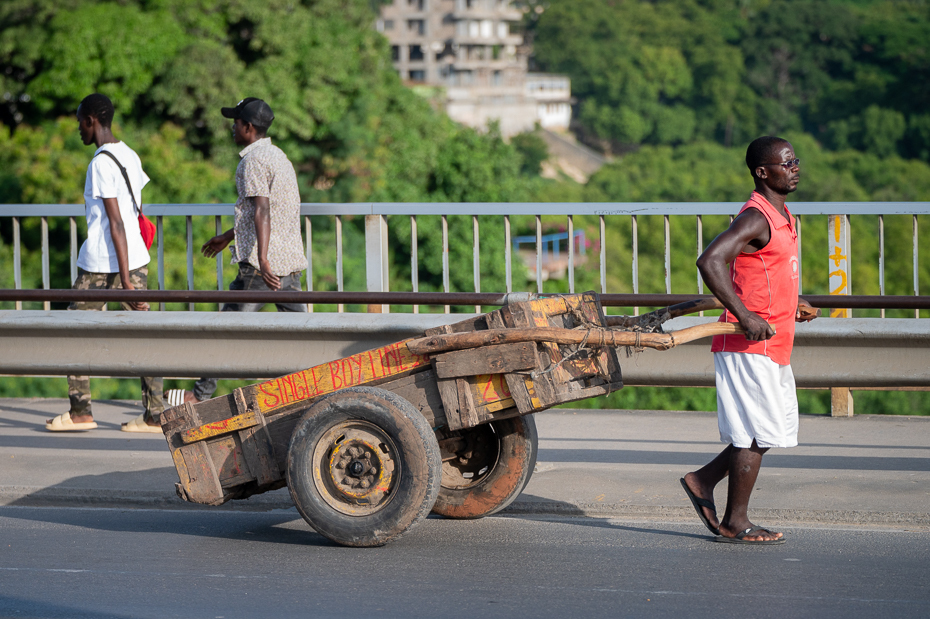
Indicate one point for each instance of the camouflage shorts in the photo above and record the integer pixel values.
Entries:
(79, 386)
(106, 281)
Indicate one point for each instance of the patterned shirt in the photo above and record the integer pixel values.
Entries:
(265, 171)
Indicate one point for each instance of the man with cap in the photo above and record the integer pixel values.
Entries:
(268, 247)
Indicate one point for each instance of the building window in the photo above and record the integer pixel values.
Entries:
(497, 78)
(417, 75)
(464, 78)
(416, 53)
(388, 24)
(395, 53)
(419, 5)
(417, 25)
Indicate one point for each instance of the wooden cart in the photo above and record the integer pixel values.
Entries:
(369, 444)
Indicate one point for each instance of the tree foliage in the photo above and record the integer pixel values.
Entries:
(352, 130)
(852, 74)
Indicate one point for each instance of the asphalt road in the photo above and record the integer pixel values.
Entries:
(115, 563)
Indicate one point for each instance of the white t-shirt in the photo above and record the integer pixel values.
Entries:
(104, 180)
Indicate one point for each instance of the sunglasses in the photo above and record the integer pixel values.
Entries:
(787, 164)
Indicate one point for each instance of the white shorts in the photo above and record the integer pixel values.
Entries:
(756, 399)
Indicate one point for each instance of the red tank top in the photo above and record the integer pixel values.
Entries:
(767, 283)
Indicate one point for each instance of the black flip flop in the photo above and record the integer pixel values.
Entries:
(698, 503)
(740, 538)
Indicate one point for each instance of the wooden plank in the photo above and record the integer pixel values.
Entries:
(468, 415)
(531, 314)
(259, 455)
(363, 368)
(257, 448)
(421, 391)
(215, 409)
(476, 323)
(449, 394)
(519, 386)
(280, 427)
(198, 477)
(203, 483)
(490, 393)
(498, 359)
(505, 413)
(218, 428)
(231, 467)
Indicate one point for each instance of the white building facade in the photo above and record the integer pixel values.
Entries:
(467, 48)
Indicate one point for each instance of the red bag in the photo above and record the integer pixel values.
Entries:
(147, 228)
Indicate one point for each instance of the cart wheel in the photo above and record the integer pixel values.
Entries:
(493, 463)
(363, 466)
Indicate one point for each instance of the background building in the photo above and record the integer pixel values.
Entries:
(466, 47)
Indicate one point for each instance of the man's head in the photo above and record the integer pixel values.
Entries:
(94, 112)
(773, 164)
(251, 119)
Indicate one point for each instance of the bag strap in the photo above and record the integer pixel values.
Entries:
(125, 176)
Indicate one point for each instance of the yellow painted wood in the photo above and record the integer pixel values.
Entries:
(359, 369)
(181, 466)
(216, 428)
(490, 392)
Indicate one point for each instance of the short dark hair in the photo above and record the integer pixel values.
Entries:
(98, 106)
(762, 150)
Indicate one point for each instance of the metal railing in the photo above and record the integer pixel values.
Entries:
(376, 237)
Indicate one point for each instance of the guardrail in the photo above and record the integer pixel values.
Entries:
(378, 290)
(855, 352)
(376, 226)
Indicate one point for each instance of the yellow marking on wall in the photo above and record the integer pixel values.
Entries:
(839, 261)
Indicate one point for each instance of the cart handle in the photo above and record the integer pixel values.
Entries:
(597, 338)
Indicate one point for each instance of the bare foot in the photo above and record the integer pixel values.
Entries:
(706, 493)
(76, 419)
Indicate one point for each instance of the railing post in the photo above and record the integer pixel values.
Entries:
(17, 261)
(46, 275)
(376, 258)
(841, 402)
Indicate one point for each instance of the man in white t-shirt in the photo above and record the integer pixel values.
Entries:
(114, 254)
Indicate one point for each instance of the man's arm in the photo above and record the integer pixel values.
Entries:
(218, 243)
(748, 232)
(118, 234)
(263, 236)
(806, 312)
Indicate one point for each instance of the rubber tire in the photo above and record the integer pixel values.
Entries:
(411, 495)
(518, 444)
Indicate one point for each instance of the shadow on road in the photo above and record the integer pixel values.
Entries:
(19, 607)
(691, 459)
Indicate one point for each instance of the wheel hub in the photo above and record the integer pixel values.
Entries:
(357, 467)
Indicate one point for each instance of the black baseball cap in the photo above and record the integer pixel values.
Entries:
(251, 110)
